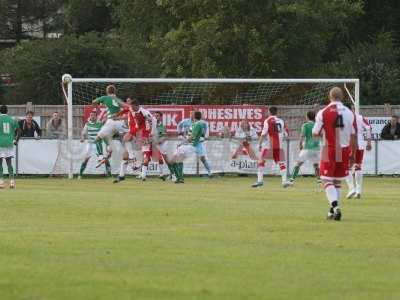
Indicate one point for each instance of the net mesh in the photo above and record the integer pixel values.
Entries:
(293, 99)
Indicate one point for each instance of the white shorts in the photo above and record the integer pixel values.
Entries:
(187, 150)
(7, 152)
(162, 148)
(112, 127)
(91, 150)
(309, 155)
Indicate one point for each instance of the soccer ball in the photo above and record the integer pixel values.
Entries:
(66, 78)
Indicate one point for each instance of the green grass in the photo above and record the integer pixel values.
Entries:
(206, 239)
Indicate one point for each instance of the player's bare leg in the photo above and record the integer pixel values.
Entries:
(332, 190)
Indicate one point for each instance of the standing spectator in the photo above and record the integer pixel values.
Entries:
(55, 128)
(391, 131)
(29, 126)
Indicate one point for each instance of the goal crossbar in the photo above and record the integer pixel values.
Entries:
(217, 80)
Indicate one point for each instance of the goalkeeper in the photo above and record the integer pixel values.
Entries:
(94, 146)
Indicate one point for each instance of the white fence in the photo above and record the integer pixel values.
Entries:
(46, 157)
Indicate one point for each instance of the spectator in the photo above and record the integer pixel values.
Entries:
(391, 131)
(29, 126)
(55, 127)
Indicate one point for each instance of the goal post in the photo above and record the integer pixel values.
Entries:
(201, 91)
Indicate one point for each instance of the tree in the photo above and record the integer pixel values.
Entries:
(89, 15)
(241, 38)
(376, 63)
(20, 18)
(37, 66)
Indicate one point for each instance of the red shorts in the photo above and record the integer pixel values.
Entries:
(335, 165)
(359, 157)
(139, 132)
(276, 155)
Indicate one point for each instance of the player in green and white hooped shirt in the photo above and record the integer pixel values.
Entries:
(9, 135)
(183, 151)
(113, 124)
(94, 146)
(159, 142)
(309, 147)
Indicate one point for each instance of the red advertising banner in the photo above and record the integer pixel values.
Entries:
(217, 116)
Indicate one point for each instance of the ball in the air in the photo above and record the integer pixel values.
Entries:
(66, 78)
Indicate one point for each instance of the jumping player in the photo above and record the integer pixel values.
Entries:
(309, 147)
(94, 146)
(335, 123)
(159, 145)
(9, 136)
(113, 125)
(274, 131)
(355, 178)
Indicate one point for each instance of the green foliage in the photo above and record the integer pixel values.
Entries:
(211, 38)
(89, 15)
(37, 66)
(376, 63)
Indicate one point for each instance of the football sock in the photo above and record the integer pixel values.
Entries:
(316, 171)
(10, 171)
(129, 148)
(180, 170)
(350, 182)
(206, 165)
(338, 191)
(331, 193)
(99, 147)
(83, 167)
(282, 171)
(108, 167)
(359, 181)
(260, 173)
(295, 172)
(1, 169)
(171, 169)
(122, 170)
(161, 168)
(144, 172)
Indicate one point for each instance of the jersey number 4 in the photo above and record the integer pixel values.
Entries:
(278, 128)
(6, 128)
(339, 122)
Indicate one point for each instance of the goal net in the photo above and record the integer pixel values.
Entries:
(224, 103)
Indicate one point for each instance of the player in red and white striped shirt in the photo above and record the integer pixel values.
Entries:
(355, 178)
(336, 124)
(274, 131)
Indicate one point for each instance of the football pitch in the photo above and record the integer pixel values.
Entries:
(205, 239)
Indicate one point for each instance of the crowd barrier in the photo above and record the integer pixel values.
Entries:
(49, 156)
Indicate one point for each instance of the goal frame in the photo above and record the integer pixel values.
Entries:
(69, 95)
